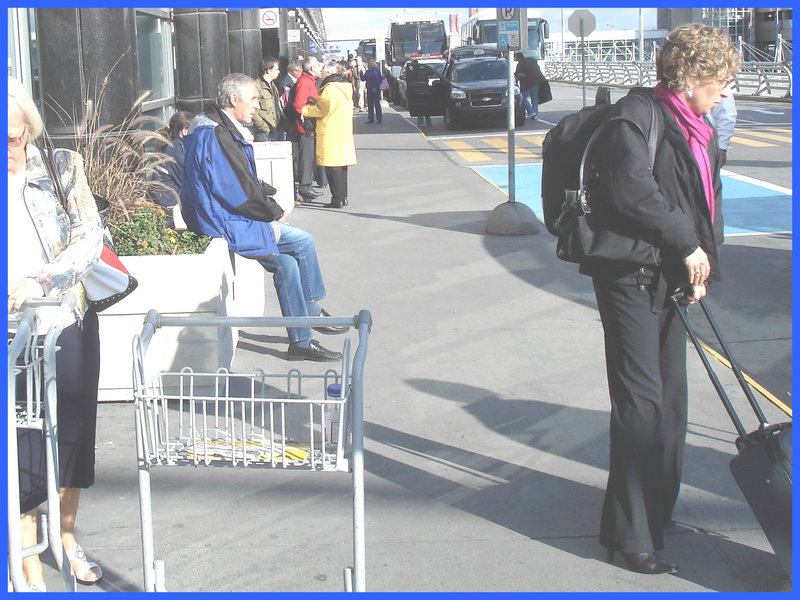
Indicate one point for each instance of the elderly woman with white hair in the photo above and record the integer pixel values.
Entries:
(335, 145)
(53, 246)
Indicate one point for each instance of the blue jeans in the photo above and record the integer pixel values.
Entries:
(260, 136)
(532, 105)
(277, 135)
(297, 279)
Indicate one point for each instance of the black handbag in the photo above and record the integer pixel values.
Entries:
(544, 93)
(581, 233)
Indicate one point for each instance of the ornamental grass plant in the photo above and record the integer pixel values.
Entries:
(120, 166)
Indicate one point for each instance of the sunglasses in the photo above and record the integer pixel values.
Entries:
(16, 140)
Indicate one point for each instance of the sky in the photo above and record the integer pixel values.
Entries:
(344, 23)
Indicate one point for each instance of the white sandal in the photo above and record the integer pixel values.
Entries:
(77, 558)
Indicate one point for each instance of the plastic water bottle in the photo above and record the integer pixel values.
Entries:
(332, 415)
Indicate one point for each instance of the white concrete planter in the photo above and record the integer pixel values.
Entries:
(197, 285)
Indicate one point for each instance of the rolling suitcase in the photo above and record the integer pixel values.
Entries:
(762, 467)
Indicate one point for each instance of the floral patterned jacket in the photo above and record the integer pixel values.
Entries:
(71, 234)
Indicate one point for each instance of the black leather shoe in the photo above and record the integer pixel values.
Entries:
(332, 205)
(345, 202)
(648, 563)
(314, 351)
(308, 195)
(329, 330)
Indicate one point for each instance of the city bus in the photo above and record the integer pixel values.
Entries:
(415, 39)
(366, 49)
(481, 28)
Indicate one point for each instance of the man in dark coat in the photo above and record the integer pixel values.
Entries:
(530, 77)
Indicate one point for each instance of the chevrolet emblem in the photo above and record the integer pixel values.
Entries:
(486, 99)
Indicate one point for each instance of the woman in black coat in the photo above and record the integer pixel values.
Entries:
(674, 214)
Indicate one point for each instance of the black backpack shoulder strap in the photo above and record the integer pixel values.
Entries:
(651, 137)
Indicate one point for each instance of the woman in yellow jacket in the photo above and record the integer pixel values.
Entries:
(335, 146)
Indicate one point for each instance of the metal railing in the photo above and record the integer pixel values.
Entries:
(760, 79)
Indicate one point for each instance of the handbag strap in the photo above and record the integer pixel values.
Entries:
(651, 137)
(48, 156)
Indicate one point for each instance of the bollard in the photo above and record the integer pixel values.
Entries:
(512, 218)
(603, 95)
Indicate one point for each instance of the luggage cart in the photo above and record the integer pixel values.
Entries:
(34, 357)
(251, 420)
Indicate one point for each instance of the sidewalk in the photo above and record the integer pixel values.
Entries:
(486, 422)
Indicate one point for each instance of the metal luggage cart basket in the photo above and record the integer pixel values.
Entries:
(287, 420)
(32, 359)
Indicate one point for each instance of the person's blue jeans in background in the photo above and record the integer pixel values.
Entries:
(297, 279)
(260, 136)
(531, 99)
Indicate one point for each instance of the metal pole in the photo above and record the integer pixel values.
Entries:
(583, 63)
(641, 35)
(510, 114)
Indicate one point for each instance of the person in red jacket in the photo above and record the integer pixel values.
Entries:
(305, 92)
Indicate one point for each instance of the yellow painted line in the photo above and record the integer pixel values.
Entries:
(780, 129)
(534, 139)
(770, 397)
(502, 144)
(769, 136)
(466, 151)
(753, 143)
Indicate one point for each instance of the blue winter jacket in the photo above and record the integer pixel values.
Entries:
(221, 196)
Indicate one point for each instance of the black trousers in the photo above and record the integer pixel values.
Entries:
(646, 368)
(77, 375)
(306, 160)
(337, 181)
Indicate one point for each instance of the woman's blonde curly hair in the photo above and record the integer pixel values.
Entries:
(696, 52)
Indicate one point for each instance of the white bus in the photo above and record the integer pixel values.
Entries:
(481, 28)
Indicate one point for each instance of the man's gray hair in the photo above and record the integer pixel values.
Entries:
(295, 65)
(307, 63)
(234, 82)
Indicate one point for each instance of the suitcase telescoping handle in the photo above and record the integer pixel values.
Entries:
(681, 310)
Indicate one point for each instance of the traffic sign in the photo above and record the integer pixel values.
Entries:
(507, 14)
(269, 18)
(578, 18)
(512, 29)
(312, 47)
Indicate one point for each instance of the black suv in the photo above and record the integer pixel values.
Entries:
(474, 87)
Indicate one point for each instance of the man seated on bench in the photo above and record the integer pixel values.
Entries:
(221, 196)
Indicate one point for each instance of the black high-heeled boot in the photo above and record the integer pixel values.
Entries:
(648, 563)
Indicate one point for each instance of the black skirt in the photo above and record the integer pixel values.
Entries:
(77, 376)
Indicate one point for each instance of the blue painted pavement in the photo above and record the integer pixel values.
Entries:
(748, 207)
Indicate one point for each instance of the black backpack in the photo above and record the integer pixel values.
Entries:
(565, 194)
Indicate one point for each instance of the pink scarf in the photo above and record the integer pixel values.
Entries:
(698, 133)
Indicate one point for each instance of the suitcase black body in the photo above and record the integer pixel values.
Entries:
(762, 467)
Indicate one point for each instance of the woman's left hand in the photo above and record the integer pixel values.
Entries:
(21, 290)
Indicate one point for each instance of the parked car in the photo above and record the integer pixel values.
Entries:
(474, 87)
(415, 84)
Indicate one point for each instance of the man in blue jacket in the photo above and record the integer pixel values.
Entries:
(221, 196)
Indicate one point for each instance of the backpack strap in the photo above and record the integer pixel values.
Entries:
(651, 138)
